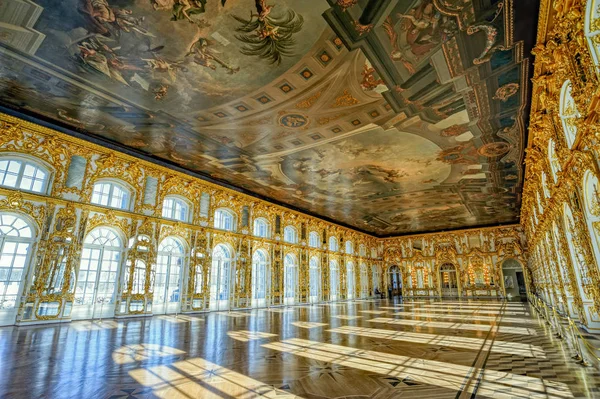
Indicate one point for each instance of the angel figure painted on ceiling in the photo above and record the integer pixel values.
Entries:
(415, 33)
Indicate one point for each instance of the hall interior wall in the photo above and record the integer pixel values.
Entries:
(63, 216)
(560, 211)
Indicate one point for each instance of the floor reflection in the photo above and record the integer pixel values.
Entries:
(359, 349)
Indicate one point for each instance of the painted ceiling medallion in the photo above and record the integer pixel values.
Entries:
(496, 149)
(507, 91)
(293, 121)
(454, 130)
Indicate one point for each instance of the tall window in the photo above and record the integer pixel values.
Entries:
(259, 275)
(291, 276)
(290, 235)
(591, 194)
(224, 220)
(592, 30)
(110, 194)
(362, 251)
(315, 278)
(568, 113)
(167, 280)
(553, 158)
(16, 237)
(349, 247)
(313, 240)
(23, 174)
(545, 185)
(334, 280)
(220, 277)
(376, 277)
(350, 280)
(364, 281)
(175, 208)
(261, 228)
(99, 268)
(333, 244)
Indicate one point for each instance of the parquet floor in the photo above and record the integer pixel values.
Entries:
(359, 350)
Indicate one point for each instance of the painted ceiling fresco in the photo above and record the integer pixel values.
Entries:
(392, 117)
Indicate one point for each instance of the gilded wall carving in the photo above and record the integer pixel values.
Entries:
(559, 206)
(64, 216)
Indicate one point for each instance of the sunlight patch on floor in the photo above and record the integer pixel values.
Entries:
(475, 344)
(449, 325)
(441, 374)
(199, 378)
(308, 324)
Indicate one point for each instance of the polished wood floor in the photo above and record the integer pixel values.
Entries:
(359, 349)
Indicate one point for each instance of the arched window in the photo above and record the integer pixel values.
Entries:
(23, 174)
(175, 208)
(168, 276)
(259, 279)
(592, 30)
(291, 278)
(364, 281)
(545, 186)
(98, 274)
(362, 250)
(591, 194)
(553, 158)
(350, 280)
(224, 220)
(334, 280)
(16, 237)
(349, 247)
(333, 244)
(539, 203)
(290, 234)
(376, 277)
(568, 113)
(220, 277)
(114, 195)
(315, 279)
(577, 257)
(313, 240)
(261, 228)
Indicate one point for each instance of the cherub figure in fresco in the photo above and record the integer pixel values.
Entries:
(266, 35)
(162, 66)
(206, 57)
(421, 29)
(185, 8)
(108, 21)
(101, 58)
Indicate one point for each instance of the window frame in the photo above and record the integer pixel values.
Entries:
(317, 237)
(228, 212)
(177, 199)
(25, 161)
(334, 245)
(261, 221)
(295, 234)
(113, 183)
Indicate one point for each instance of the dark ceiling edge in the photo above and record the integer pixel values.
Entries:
(86, 136)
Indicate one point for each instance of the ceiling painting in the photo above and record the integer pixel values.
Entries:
(391, 117)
